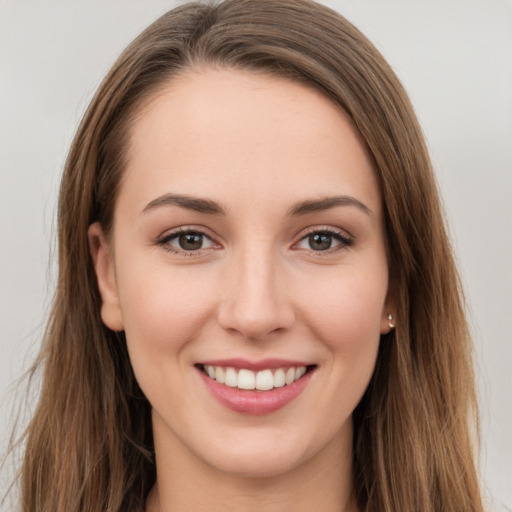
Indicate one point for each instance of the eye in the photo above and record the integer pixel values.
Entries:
(186, 241)
(324, 240)
(320, 241)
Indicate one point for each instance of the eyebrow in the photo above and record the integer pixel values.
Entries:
(190, 203)
(326, 203)
(211, 207)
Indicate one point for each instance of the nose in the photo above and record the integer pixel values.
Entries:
(254, 300)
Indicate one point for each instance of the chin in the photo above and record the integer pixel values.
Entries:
(270, 463)
(277, 450)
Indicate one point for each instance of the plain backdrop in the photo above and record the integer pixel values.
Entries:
(454, 58)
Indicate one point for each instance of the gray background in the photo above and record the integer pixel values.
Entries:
(455, 59)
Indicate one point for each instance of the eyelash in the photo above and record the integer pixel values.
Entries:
(344, 240)
(163, 242)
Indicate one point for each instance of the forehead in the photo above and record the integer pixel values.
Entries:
(239, 134)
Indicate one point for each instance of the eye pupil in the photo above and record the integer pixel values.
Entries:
(320, 241)
(190, 241)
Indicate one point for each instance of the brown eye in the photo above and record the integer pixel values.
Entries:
(324, 240)
(320, 241)
(186, 242)
(190, 241)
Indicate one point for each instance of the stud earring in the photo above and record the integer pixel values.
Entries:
(391, 322)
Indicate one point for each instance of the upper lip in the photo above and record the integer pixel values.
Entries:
(262, 364)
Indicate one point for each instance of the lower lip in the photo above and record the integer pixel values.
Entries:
(255, 402)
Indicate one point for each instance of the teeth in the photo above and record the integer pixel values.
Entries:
(263, 380)
(230, 378)
(279, 379)
(219, 374)
(246, 379)
(299, 372)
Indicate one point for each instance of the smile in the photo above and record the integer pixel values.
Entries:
(263, 380)
(255, 388)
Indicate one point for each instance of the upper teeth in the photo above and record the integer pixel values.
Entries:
(263, 380)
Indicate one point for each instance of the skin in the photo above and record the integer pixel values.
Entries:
(257, 146)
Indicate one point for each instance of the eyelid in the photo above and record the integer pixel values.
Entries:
(163, 241)
(342, 236)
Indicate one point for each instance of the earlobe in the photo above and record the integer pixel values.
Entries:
(389, 319)
(387, 323)
(105, 274)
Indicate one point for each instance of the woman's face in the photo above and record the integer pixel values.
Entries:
(248, 244)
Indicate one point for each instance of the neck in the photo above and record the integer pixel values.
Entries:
(322, 483)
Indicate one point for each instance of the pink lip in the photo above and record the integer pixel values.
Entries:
(255, 366)
(255, 402)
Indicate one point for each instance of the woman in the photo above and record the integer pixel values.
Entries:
(257, 303)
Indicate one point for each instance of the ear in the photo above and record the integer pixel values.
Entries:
(389, 319)
(103, 261)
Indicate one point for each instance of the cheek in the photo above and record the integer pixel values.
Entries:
(348, 311)
(346, 316)
(163, 308)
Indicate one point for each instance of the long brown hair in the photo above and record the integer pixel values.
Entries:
(89, 445)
